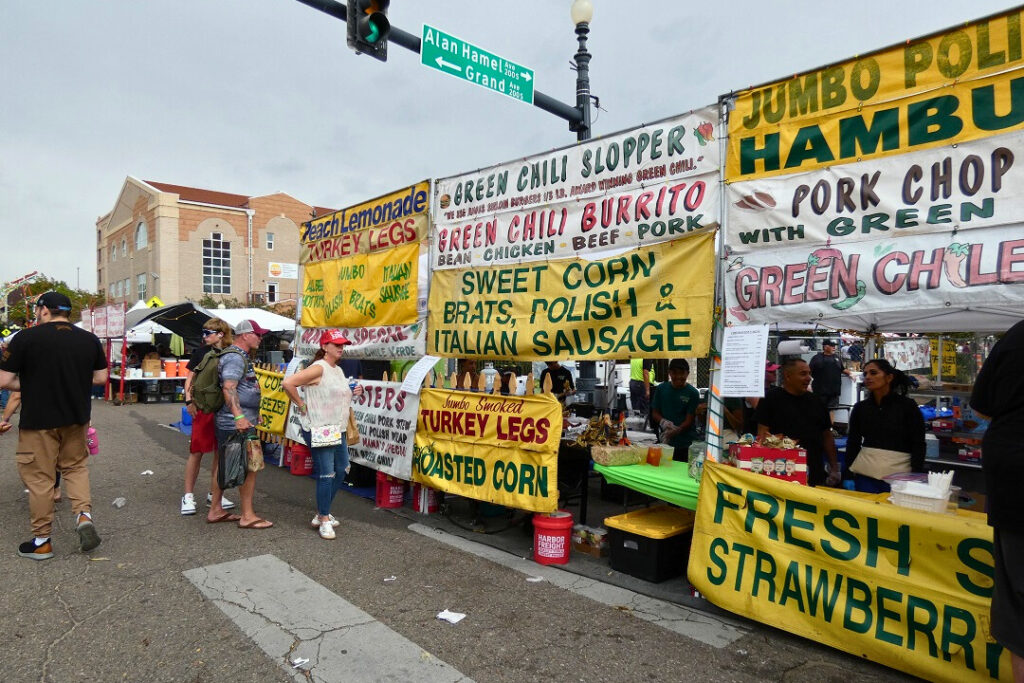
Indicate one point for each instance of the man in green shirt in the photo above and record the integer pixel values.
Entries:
(674, 409)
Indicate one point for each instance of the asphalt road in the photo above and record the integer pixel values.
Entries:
(129, 611)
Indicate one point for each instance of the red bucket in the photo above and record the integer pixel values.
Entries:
(390, 491)
(551, 534)
(302, 460)
(425, 499)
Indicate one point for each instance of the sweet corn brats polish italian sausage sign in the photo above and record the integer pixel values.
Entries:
(365, 266)
(498, 449)
(906, 588)
(653, 302)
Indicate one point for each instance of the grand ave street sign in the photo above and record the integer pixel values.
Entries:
(456, 57)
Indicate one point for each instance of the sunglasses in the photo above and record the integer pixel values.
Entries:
(207, 333)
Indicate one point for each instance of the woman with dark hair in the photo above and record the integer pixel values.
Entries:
(886, 433)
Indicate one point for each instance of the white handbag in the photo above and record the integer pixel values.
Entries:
(878, 463)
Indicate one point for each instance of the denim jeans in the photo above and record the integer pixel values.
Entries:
(329, 465)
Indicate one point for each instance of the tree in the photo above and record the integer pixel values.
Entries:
(19, 301)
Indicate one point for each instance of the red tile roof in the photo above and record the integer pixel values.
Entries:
(195, 194)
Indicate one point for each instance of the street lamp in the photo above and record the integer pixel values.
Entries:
(582, 11)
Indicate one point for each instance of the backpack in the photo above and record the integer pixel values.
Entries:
(207, 394)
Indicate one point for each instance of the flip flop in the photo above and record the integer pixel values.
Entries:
(258, 523)
(226, 517)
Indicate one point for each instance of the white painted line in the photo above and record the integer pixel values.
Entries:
(700, 626)
(291, 617)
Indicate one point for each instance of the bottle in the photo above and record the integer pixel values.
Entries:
(92, 441)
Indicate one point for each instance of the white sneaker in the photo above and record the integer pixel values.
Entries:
(326, 530)
(224, 502)
(188, 504)
(315, 522)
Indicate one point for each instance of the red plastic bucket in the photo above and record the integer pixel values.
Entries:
(302, 460)
(390, 491)
(551, 534)
(424, 499)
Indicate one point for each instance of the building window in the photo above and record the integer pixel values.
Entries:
(272, 292)
(141, 236)
(113, 252)
(117, 289)
(216, 265)
(140, 285)
(124, 247)
(270, 241)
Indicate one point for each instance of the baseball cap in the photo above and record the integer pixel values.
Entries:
(334, 337)
(770, 366)
(55, 301)
(250, 326)
(829, 342)
(679, 364)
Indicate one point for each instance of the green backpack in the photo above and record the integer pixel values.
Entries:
(207, 394)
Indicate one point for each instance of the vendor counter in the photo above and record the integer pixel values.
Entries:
(149, 389)
(670, 481)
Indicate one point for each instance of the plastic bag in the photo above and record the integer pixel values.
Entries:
(231, 459)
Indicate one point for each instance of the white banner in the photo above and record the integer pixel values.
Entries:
(908, 354)
(386, 416)
(972, 269)
(99, 322)
(390, 342)
(115, 321)
(942, 190)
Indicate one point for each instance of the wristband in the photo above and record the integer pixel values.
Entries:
(188, 402)
(239, 417)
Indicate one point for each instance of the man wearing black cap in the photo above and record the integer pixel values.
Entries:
(674, 409)
(827, 372)
(54, 364)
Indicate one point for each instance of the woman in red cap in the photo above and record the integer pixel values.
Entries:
(323, 407)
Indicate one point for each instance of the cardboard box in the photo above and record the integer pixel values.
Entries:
(152, 367)
(591, 550)
(779, 463)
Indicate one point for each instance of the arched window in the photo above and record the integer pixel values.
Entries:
(113, 252)
(141, 236)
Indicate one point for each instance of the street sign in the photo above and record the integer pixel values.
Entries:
(456, 57)
(154, 302)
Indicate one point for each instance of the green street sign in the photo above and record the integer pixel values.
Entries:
(456, 57)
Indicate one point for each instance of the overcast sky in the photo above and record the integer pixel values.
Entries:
(260, 96)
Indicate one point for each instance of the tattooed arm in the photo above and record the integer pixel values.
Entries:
(230, 389)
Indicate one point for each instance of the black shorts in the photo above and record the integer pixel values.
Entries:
(1008, 593)
(830, 401)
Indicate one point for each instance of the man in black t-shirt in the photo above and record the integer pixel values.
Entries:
(54, 364)
(999, 394)
(827, 372)
(793, 411)
(561, 380)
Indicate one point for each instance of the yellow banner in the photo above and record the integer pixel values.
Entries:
(498, 449)
(654, 302)
(948, 358)
(273, 402)
(383, 211)
(363, 291)
(905, 588)
(959, 85)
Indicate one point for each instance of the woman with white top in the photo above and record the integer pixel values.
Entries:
(323, 407)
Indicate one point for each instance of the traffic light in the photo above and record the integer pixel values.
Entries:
(368, 27)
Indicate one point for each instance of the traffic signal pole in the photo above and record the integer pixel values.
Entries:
(575, 116)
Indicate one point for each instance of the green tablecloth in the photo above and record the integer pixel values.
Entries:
(669, 481)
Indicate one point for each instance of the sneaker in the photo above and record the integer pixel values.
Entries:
(326, 530)
(32, 551)
(224, 502)
(315, 522)
(87, 536)
(188, 504)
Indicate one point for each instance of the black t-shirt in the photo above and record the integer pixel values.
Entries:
(54, 363)
(559, 376)
(827, 372)
(801, 417)
(999, 393)
(197, 357)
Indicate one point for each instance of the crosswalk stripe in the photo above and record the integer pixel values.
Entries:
(291, 617)
(700, 626)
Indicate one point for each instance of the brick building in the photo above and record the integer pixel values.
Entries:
(179, 243)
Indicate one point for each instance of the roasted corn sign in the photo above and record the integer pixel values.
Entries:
(600, 250)
(362, 265)
(889, 181)
(902, 587)
(498, 449)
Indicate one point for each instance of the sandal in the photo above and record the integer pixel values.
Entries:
(226, 517)
(258, 523)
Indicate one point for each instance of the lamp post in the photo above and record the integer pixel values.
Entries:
(582, 11)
